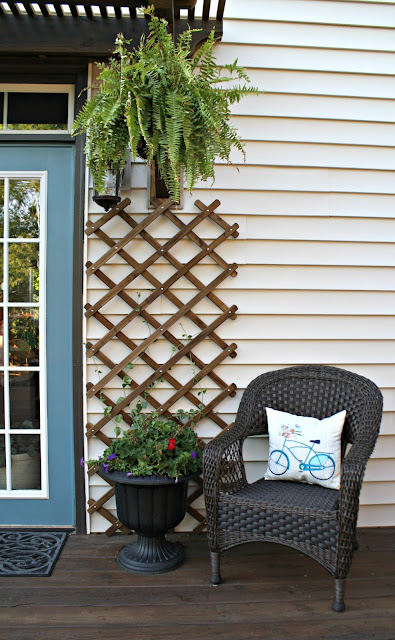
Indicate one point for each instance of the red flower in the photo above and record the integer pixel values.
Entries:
(172, 444)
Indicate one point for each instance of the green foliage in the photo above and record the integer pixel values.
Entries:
(165, 105)
(153, 445)
(103, 119)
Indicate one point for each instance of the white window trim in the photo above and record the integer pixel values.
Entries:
(41, 305)
(38, 88)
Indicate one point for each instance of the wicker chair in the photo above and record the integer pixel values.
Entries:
(316, 521)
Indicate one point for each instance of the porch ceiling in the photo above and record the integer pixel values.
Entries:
(88, 29)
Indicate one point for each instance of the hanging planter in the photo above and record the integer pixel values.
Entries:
(165, 105)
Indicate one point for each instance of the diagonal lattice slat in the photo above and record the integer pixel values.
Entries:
(123, 250)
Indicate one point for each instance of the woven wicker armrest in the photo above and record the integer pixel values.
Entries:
(352, 472)
(354, 463)
(223, 465)
(223, 471)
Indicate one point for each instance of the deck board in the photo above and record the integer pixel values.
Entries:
(269, 591)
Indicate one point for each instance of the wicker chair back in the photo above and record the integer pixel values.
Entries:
(318, 391)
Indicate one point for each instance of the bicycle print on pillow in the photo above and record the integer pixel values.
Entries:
(304, 449)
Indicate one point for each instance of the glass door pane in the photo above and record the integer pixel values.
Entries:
(2, 463)
(25, 462)
(21, 431)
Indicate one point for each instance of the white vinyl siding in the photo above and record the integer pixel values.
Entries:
(315, 204)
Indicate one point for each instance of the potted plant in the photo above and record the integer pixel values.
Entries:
(170, 108)
(150, 465)
(25, 459)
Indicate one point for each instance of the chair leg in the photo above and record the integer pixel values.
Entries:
(215, 568)
(340, 586)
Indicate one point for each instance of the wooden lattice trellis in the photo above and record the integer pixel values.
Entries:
(139, 308)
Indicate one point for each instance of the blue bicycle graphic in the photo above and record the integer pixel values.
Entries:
(320, 465)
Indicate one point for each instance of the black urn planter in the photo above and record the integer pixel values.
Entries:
(150, 506)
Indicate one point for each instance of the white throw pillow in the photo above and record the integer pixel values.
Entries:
(305, 449)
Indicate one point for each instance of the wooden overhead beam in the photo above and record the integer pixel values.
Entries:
(166, 12)
(160, 5)
(87, 38)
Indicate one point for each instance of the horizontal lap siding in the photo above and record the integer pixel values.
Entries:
(324, 132)
(315, 207)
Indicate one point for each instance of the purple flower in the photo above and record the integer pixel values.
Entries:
(194, 454)
(112, 456)
(128, 475)
(82, 461)
(105, 466)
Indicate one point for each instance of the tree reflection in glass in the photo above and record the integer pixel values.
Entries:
(1, 207)
(23, 336)
(24, 400)
(23, 278)
(1, 401)
(2, 463)
(23, 222)
(1, 337)
(1, 273)
(24, 209)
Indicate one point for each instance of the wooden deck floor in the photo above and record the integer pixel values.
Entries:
(268, 592)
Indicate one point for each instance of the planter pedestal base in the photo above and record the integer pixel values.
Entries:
(150, 506)
(151, 555)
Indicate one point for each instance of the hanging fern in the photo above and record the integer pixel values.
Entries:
(162, 104)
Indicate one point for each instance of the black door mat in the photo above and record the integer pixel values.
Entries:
(29, 552)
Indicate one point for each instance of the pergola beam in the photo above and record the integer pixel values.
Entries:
(88, 38)
(130, 4)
